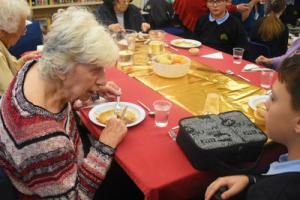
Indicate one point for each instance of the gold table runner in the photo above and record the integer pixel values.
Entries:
(190, 91)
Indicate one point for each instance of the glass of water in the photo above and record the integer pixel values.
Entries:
(156, 44)
(237, 54)
(162, 110)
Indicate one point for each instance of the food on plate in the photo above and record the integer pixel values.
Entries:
(185, 43)
(194, 51)
(103, 117)
(171, 59)
(259, 113)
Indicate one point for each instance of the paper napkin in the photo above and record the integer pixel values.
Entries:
(217, 55)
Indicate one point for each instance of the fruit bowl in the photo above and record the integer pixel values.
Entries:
(171, 65)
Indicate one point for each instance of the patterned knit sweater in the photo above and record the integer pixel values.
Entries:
(42, 153)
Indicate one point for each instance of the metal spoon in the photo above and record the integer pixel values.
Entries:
(150, 112)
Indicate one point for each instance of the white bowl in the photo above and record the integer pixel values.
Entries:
(171, 70)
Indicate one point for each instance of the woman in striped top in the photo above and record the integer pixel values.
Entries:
(40, 147)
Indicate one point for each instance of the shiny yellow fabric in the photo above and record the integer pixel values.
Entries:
(190, 91)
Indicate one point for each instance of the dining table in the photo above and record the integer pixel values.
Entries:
(148, 155)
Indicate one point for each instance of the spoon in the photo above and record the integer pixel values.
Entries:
(150, 112)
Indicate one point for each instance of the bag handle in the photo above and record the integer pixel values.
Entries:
(227, 169)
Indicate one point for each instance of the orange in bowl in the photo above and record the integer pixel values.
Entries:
(171, 65)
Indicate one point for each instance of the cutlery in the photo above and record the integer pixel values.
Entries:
(123, 113)
(230, 72)
(118, 106)
(173, 132)
(150, 112)
(256, 69)
(169, 46)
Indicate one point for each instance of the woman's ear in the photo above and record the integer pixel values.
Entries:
(61, 76)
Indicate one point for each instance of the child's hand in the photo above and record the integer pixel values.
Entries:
(235, 185)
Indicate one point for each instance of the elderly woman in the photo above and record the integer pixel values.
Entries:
(40, 147)
(13, 16)
(120, 14)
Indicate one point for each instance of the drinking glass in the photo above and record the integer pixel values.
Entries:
(156, 44)
(162, 110)
(266, 79)
(125, 58)
(237, 54)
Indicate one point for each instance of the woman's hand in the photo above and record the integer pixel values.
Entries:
(261, 60)
(113, 133)
(235, 185)
(28, 56)
(116, 27)
(109, 91)
(145, 27)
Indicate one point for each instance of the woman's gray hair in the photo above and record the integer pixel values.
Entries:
(75, 37)
(11, 11)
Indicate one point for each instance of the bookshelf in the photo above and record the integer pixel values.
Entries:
(43, 10)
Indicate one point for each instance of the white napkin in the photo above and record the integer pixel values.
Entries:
(249, 67)
(254, 68)
(217, 55)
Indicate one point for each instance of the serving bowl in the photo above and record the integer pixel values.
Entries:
(171, 65)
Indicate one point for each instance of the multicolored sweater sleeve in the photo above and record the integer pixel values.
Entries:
(42, 152)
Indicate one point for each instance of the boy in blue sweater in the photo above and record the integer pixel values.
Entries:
(282, 180)
(219, 29)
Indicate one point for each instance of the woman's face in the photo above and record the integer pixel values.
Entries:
(83, 82)
(10, 39)
(121, 5)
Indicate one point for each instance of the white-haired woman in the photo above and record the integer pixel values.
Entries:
(40, 147)
(13, 14)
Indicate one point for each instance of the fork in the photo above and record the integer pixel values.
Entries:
(117, 106)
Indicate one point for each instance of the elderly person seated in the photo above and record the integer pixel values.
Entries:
(275, 62)
(13, 16)
(41, 149)
(120, 14)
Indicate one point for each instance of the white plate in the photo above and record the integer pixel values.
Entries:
(185, 43)
(254, 101)
(111, 105)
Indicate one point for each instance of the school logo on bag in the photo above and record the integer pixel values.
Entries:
(223, 36)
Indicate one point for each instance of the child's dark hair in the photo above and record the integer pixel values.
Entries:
(289, 74)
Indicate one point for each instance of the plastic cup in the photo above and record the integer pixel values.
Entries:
(162, 110)
(125, 58)
(237, 54)
(266, 78)
(125, 39)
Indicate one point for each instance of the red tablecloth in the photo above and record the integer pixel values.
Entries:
(220, 64)
(148, 155)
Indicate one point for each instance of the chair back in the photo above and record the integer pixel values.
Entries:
(255, 49)
(7, 190)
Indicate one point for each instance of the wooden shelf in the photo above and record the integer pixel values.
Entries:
(62, 5)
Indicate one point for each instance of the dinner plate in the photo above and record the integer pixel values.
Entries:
(185, 43)
(139, 111)
(254, 101)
